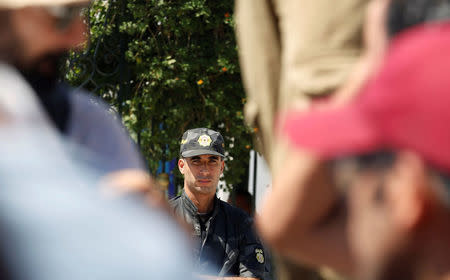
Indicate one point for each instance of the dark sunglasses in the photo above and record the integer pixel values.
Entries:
(344, 169)
(377, 160)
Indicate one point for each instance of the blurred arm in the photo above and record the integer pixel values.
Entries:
(258, 39)
(301, 218)
(375, 44)
(134, 182)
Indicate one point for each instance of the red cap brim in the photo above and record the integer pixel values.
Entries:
(331, 133)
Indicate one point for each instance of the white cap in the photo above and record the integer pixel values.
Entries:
(16, 4)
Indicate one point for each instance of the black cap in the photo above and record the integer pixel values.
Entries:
(201, 141)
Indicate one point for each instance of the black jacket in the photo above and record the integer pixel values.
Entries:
(230, 246)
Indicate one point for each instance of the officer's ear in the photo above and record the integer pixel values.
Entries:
(181, 165)
(222, 164)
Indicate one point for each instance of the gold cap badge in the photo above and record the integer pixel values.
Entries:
(204, 140)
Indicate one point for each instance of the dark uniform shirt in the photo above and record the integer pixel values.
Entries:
(226, 243)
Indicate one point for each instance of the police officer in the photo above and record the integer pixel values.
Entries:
(225, 242)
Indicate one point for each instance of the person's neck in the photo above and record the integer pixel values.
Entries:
(203, 202)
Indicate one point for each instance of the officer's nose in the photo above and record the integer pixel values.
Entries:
(204, 169)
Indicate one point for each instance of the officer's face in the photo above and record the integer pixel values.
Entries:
(201, 173)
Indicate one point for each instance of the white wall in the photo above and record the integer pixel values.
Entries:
(263, 178)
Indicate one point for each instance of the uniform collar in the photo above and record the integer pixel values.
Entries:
(192, 209)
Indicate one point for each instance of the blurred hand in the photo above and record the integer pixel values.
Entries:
(137, 182)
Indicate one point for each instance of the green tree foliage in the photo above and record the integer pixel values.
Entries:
(167, 66)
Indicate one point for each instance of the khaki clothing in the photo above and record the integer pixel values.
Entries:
(291, 51)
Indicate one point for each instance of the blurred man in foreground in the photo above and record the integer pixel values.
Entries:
(373, 196)
(54, 224)
(225, 241)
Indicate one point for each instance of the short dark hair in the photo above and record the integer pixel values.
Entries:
(403, 14)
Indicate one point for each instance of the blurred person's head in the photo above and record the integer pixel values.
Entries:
(202, 161)
(399, 201)
(242, 199)
(35, 34)
(399, 210)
